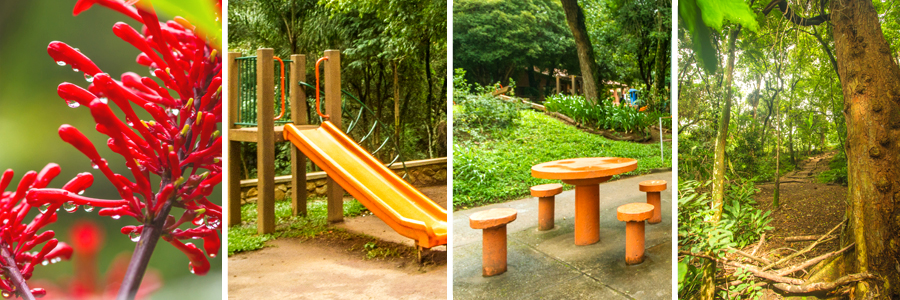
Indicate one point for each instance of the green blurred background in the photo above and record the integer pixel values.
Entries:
(31, 112)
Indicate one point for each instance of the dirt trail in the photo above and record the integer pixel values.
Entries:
(808, 207)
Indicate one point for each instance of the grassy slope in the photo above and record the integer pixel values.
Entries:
(500, 169)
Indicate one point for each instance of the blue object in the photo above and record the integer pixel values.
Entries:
(632, 94)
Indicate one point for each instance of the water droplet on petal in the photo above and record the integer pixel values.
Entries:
(135, 236)
(115, 217)
(76, 49)
(212, 255)
(191, 266)
(88, 208)
(199, 220)
(44, 208)
(70, 207)
(88, 77)
(56, 260)
(72, 104)
(76, 70)
(81, 192)
(95, 166)
(104, 100)
(175, 111)
(45, 262)
(61, 63)
(130, 124)
(213, 223)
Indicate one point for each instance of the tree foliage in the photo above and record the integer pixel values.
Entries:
(495, 40)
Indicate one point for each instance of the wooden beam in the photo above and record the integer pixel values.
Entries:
(234, 148)
(333, 109)
(251, 134)
(573, 84)
(265, 147)
(299, 116)
(557, 83)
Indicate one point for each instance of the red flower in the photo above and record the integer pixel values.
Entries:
(18, 238)
(180, 143)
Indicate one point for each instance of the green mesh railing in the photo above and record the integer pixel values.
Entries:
(247, 91)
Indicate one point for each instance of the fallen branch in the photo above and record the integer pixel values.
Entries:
(756, 271)
(762, 239)
(812, 261)
(810, 247)
(750, 256)
(803, 238)
(823, 286)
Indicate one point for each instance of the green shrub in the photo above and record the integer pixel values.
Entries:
(605, 115)
(837, 172)
(741, 225)
(477, 114)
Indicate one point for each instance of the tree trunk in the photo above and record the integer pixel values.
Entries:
(775, 193)
(589, 69)
(396, 105)
(708, 286)
(661, 49)
(870, 81)
(791, 137)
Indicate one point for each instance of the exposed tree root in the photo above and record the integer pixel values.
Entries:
(811, 262)
(823, 286)
(810, 247)
(779, 279)
(803, 238)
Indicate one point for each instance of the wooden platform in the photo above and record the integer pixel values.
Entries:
(249, 134)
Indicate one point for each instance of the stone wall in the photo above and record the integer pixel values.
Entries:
(421, 173)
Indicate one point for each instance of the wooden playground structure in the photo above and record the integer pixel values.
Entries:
(265, 134)
(348, 165)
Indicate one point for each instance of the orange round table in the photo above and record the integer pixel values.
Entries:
(585, 174)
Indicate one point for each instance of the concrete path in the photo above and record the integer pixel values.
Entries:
(548, 265)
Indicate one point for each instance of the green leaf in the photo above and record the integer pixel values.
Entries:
(682, 271)
(201, 13)
(715, 12)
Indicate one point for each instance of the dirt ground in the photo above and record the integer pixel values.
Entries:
(807, 208)
(340, 265)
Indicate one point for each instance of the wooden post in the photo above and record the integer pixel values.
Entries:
(234, 148)
(557, 84)
(573, 85)
(333, 109)
(299, 116)
(265, 147)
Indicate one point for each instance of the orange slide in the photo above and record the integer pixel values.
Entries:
(388, 196)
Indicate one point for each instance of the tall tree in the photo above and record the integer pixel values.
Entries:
(870, 80)
(708, 289)
(589, 69)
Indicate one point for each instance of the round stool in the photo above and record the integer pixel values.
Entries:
(634, 214)
(546, 202)
(653, 188)
(493, 245)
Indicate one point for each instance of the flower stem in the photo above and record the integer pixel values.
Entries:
(12, 270)
(143, 250)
